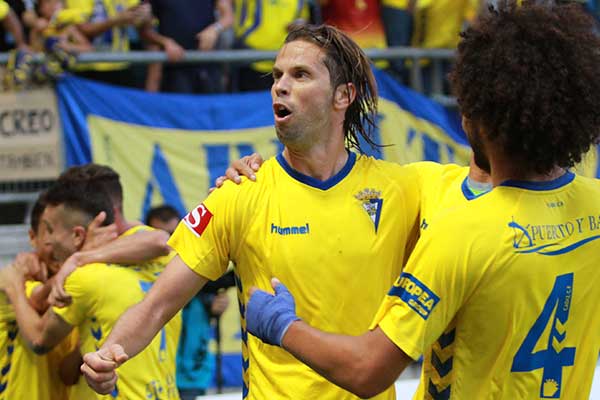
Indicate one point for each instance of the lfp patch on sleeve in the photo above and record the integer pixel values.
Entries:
(415, 294)
(197, 220)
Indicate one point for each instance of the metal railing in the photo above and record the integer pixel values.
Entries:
(26, 192)
(416, 55)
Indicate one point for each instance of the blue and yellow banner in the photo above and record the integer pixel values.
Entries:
(170, 148)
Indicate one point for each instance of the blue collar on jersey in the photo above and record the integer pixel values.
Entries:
(310, 181)
(467, 192)
(540, 186)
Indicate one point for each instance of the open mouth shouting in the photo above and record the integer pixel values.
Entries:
(282, 112)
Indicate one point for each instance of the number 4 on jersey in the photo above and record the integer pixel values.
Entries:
(555, 356)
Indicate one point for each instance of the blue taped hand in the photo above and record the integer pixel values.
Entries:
(268, 316)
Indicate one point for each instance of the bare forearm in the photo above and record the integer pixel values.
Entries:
(150, 36)
(351, 362)
(225, 10)
(93, 29)
(30, 323)
(136, 328)
(11, 24)
(172, 290)
(39, 297)
(140, 247)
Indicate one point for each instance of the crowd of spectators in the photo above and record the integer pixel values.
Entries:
(64, 28)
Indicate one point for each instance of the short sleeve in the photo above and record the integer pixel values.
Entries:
(202, 238)
(80, 286)
(4, 9)
(429, 292)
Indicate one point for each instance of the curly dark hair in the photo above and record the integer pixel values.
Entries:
(346, 63)
(529, 76)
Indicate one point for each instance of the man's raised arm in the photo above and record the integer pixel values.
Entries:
(137, 326)
(143, 245)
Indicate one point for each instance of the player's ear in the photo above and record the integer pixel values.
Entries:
(32, 238)
(344, 95)
(78, 234)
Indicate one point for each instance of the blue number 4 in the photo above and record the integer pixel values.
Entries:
(555, 356)
(163, 335)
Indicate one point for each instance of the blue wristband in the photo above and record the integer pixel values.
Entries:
(269, 317)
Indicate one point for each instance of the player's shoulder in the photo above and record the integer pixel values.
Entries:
(265, 178)
(386, 170)
(136, 228)
(587, 183)
(431, 170)
(91, 274)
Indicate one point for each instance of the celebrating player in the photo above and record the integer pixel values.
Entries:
(100, 294)
(316, 204)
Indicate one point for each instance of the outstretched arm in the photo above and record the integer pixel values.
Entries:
(364, 365)
(139, 247)
(137, 326)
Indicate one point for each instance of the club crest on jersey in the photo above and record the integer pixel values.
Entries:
(197, 220)
(372, 203)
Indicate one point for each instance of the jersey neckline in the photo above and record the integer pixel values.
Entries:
(313, 182)
(467, 192)
(559, 182)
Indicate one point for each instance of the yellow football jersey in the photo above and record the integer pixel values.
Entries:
(500, 296)
(335, 244)
(101, 293)
(4, 9)
(263, 24)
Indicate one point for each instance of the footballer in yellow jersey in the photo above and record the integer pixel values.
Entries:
(339, 243)
(545, 244)
(95, 309)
